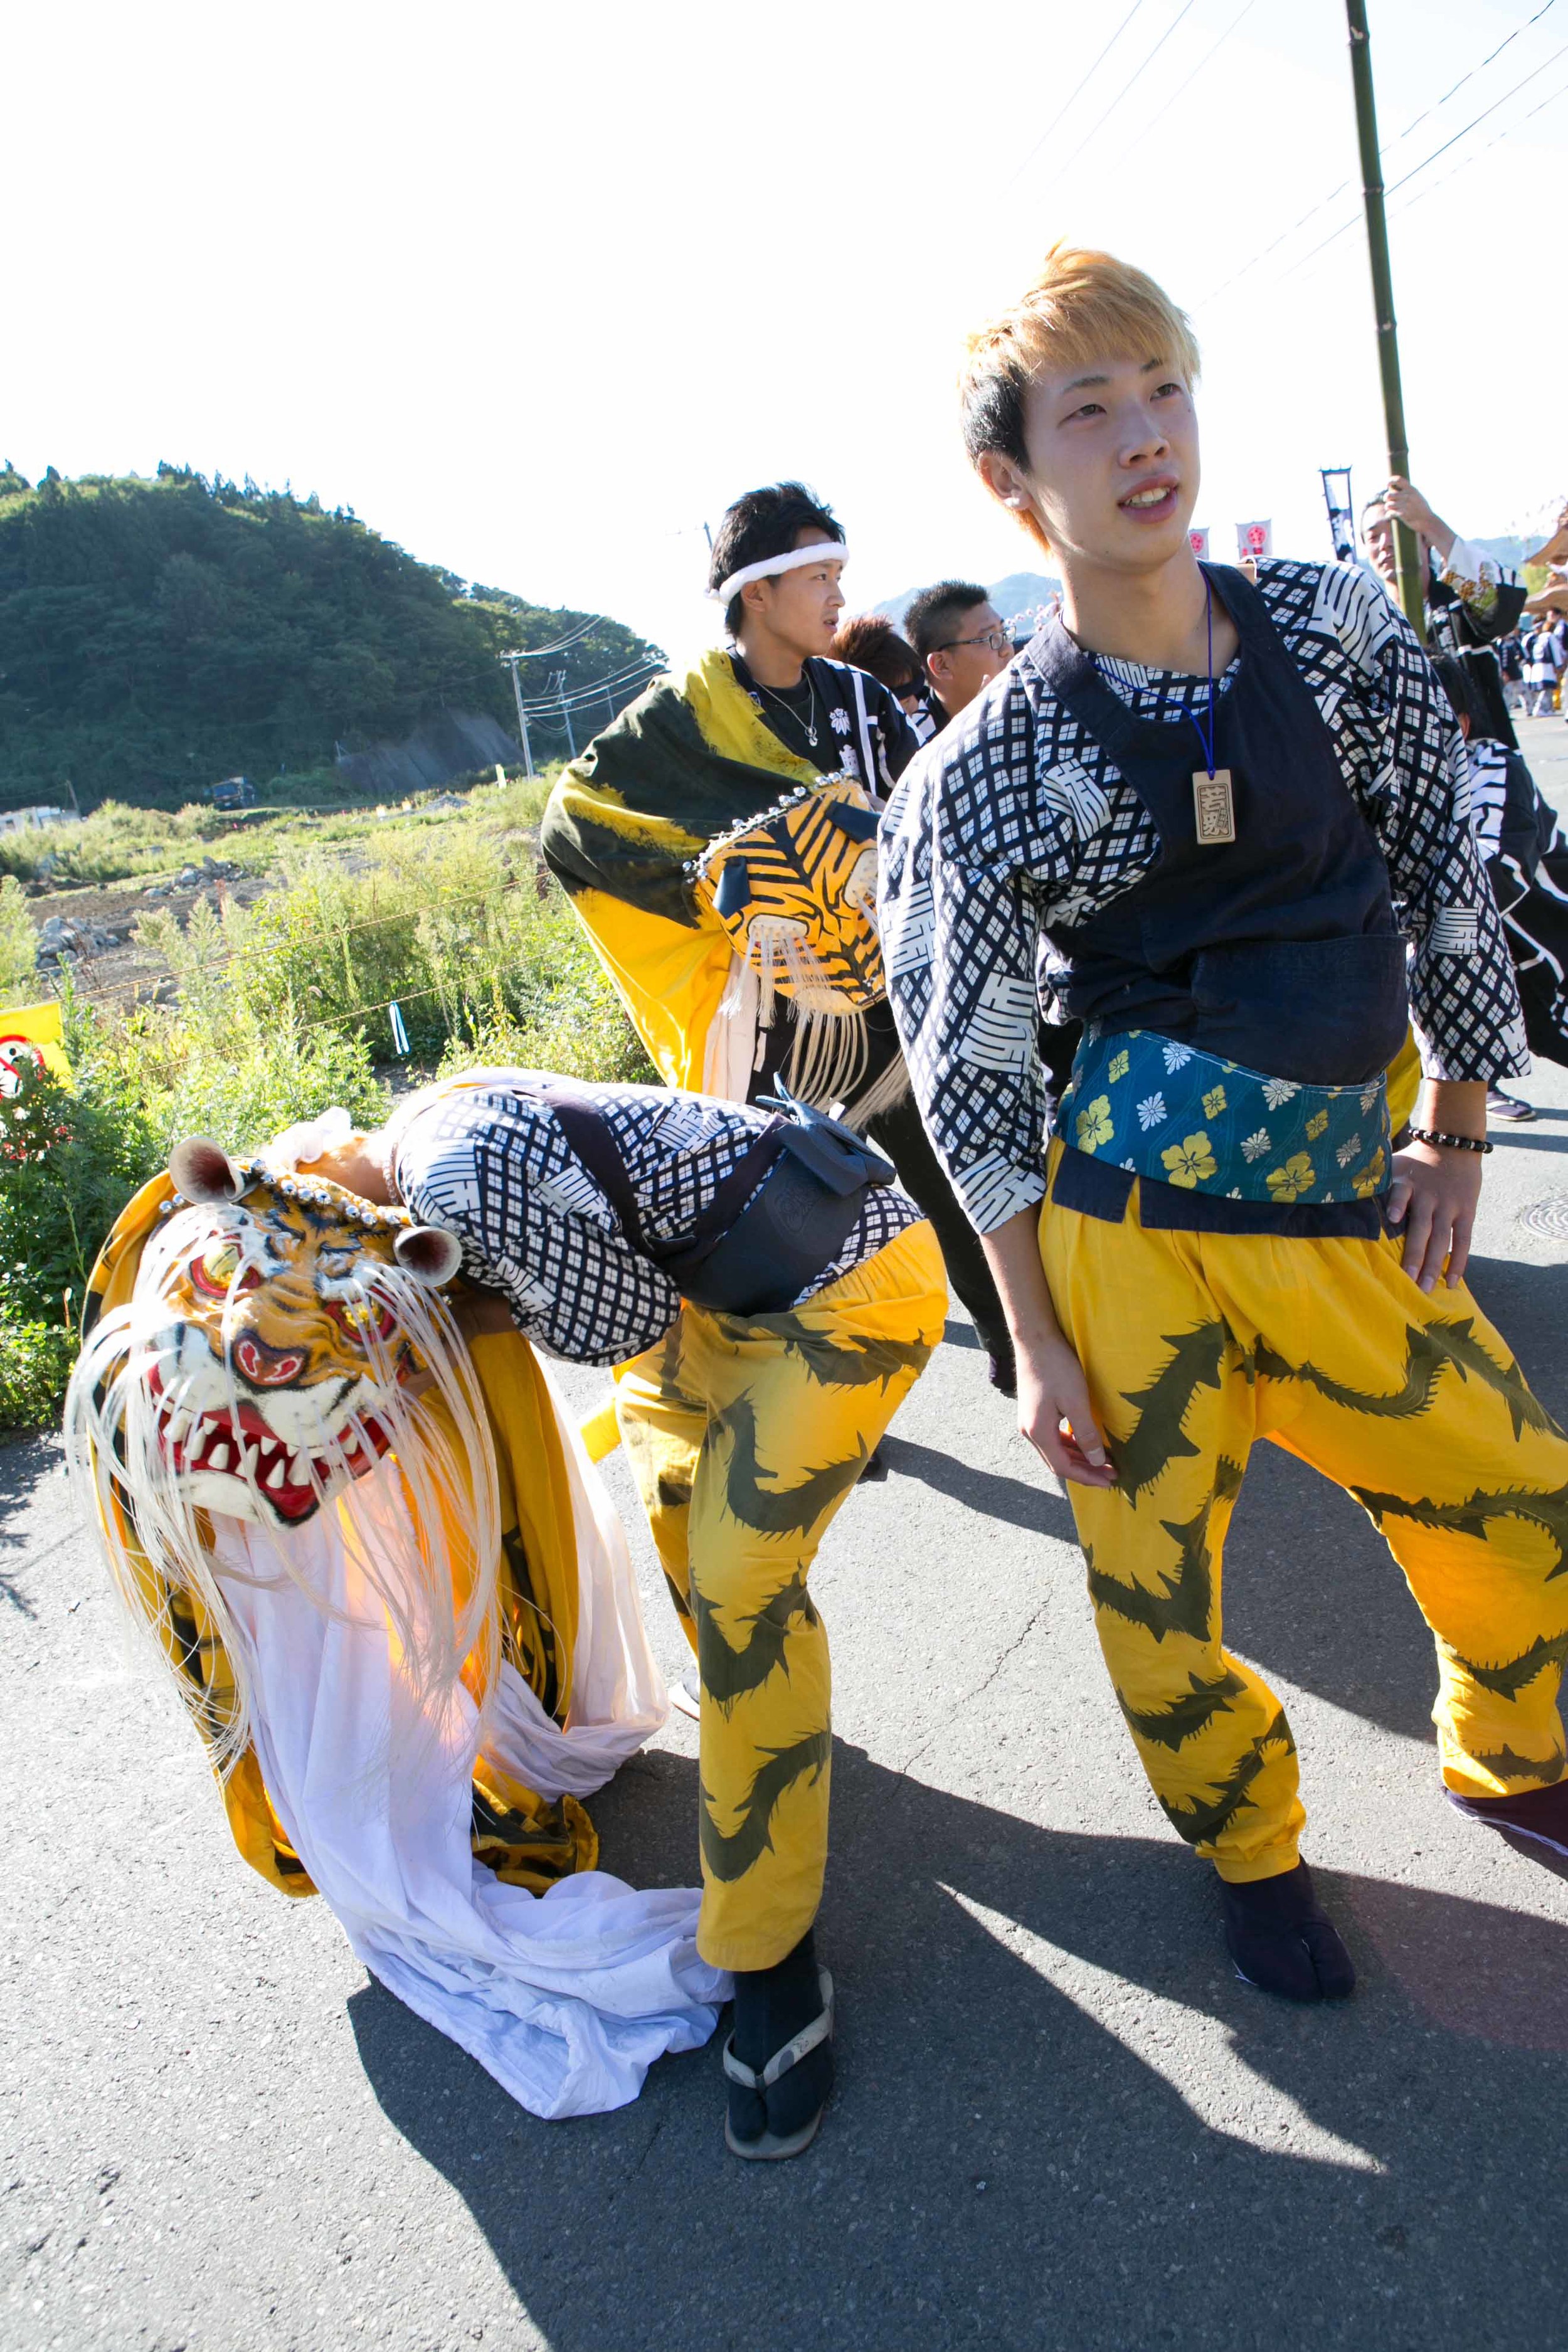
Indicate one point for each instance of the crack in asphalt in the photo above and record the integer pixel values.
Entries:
(648, 2151)
(981, 1687)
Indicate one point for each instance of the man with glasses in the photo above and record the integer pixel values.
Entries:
(962, 642)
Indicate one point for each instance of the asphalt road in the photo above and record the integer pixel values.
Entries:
(1061, 2121)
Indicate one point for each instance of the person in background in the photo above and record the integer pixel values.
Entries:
(1511, 668)
(1472, 600)
(1542, 667)
(962, 641)
(698, 760)
(869, 642)
(959, 637)
(1526, 858)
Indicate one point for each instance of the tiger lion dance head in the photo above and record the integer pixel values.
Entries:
(276, 1322)
(260, 1342)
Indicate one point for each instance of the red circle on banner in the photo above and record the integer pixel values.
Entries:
(12, 1053)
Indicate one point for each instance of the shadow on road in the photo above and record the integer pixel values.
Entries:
(1013, 1500)
(22, 1465)
(999, 2167)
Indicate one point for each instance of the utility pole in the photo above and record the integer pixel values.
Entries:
(1406, 553)
(512, 660)
(558, 686)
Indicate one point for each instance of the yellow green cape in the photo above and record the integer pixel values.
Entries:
(688, 760)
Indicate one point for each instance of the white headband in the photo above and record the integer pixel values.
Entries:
(831, 551)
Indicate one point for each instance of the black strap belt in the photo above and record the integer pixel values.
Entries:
(775, 1223)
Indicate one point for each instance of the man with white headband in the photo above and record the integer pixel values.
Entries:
(694, 762)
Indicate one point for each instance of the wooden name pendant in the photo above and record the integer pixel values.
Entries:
(1211, 807)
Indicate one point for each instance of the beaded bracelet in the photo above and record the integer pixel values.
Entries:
(1452, 1142)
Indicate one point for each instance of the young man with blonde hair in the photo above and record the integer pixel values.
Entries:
(1227, 807)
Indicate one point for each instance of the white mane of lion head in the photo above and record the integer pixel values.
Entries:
(281, 1338)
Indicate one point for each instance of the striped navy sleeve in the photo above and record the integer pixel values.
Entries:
(964, 857)
(1415, 793)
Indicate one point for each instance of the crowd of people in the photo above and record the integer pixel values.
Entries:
(1532, 661)
(1152, 981)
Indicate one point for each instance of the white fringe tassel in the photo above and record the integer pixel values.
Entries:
(439, 1606)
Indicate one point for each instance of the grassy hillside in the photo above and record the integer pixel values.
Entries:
(157, 635)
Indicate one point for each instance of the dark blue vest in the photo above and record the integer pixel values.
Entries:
(1278, 950)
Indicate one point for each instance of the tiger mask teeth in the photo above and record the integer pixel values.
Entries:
(277, 1346)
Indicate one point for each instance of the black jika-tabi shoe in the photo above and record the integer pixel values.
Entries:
(775, 2103)
(1539, 1814)
(1281, 1940)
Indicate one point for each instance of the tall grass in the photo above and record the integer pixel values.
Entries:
(123, 844)
(18, 945)
(283, 1009)
(462, 930)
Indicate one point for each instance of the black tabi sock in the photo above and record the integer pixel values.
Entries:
(1281, 1940)
(771, 2005)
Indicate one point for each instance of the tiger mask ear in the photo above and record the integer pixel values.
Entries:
(427, 1253)
(202, 1170)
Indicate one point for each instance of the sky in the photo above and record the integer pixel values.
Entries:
(538, 290)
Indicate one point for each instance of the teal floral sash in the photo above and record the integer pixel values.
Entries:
(1183, 1116)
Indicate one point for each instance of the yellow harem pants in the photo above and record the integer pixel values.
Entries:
(1194, 1345)
(743, 1438)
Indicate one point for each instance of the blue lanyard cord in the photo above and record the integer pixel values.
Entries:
(1207, 741)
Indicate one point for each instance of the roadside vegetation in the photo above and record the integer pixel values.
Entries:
(273, 1011)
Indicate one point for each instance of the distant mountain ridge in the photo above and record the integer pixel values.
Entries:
(1013, 597)
(155, 635)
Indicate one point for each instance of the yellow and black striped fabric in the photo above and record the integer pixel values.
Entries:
(745, 1437)
(795, 890)
(1195, 1346)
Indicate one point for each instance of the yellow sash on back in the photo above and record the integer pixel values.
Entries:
(670, 976)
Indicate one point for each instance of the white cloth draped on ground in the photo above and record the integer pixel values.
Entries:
(565, 1998)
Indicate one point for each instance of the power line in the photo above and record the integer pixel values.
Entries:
(1482, 117)
(593, 691)
(1134, 77)
(1075, 92)
(1323, 203)
(1464, 165)
(1414, 174)
(1247, 8)
(538, 653)
(1486, 61)
(609, 677)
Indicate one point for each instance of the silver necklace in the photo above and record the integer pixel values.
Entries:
(809, 725)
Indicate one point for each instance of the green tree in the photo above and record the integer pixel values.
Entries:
(154, 636)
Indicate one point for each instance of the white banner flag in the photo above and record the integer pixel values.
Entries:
(1255, 539)
(1200, 541)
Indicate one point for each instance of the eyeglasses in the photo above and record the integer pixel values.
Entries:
(996, 641)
